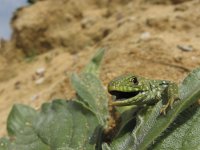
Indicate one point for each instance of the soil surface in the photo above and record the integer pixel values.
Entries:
(51, 39)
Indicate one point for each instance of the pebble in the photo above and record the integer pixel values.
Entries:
(186, 48)
(35, 97)
(40, 71)
(17, 85)
(145, 36)
(39, 81)
(87, 22)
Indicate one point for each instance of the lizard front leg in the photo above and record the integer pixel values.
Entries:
(170, 94)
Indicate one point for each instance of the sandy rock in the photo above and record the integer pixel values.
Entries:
(40, 72)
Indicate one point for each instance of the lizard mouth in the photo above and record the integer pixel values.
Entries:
(120, 96)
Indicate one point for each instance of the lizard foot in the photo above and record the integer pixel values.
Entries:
(165, 107)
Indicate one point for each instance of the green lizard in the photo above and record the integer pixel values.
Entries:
(135, 90)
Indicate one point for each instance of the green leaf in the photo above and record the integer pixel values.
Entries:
(20, 125)
(189, 88)
(94, 64)
(28, 139)
(146, 118)
(92, 94)
(4, 144)
(59, 125)
(105, 146)
(122, 143)
(183, 134)
(127, 122)
(97, 137)
(89, 89)
(20, 116)
(151, 124)
(189, 93)
(64, 124)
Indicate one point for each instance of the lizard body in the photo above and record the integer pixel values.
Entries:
(135, 90)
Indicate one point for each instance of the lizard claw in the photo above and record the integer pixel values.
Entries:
(169, 104)
(163, 110)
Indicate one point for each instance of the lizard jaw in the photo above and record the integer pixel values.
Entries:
(121, 96)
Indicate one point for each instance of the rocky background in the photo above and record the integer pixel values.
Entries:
(51, 39)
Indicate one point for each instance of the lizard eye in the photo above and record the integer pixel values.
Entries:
(134, 80)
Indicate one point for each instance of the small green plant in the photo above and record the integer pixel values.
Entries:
(80, 123)
(30, 56)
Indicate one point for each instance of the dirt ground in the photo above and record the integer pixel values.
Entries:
(152, 38)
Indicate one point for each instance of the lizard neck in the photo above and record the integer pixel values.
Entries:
(158, 85)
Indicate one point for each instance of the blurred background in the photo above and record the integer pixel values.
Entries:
(7, 8)
(44, 41)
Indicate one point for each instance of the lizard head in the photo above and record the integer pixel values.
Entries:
(127, 86)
